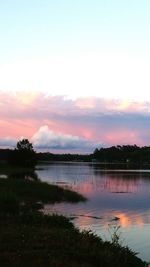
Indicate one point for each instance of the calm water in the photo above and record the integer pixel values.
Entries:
(114, 198)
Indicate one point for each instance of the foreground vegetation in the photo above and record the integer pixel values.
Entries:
(17, 194)
(30, 238)
(38, 240)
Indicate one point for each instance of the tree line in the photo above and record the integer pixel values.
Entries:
(25, 154)
(124, 154)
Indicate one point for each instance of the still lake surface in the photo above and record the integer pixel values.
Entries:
(115, 198)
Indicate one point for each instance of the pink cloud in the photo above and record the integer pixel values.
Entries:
(123, 136)
(102, 121)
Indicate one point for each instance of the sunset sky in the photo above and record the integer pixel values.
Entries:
(74, 75)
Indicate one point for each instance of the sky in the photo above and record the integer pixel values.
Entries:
(74, 75)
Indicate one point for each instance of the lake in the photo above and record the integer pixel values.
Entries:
(115, 198)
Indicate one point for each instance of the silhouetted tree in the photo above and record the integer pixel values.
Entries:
(24, 146)
(23, 154)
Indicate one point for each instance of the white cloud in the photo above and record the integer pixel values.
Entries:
(44, 138)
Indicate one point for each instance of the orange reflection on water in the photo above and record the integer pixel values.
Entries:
(120, 218)
(126, 220)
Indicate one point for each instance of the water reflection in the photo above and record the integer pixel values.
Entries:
(107, 182)
(115, 197)
(126, 220)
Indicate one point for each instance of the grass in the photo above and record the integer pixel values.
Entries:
(30, 238)
(12, 168)
(17, 194)
(39, 240)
